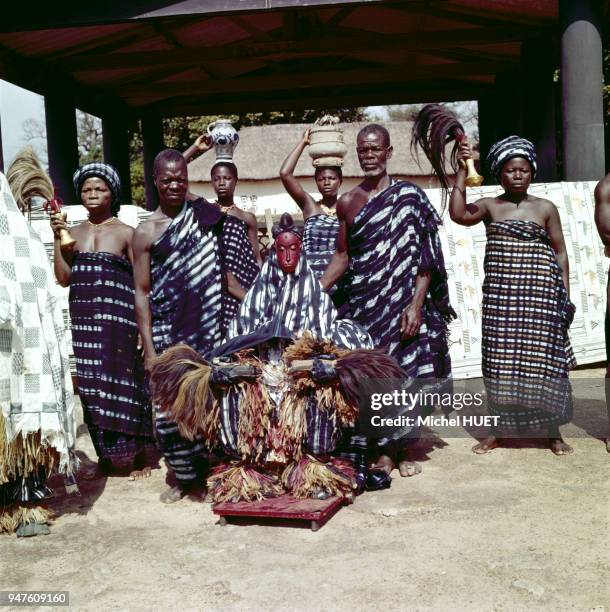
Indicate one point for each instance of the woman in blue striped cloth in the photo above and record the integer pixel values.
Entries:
(110, 371)
(526, 306)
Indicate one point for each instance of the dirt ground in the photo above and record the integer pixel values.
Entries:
(518, 529)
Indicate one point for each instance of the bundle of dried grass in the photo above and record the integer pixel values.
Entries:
(23, 456)
(180, 384)
(254, 421)
(327, 396)
(11, 517)
(351, 366)
(365, 363)
(27, 178)
(254, 412)
(287, 433)
(242, 482)
(308, 476)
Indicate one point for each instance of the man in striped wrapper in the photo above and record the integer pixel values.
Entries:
(180, 277)
(388, 237)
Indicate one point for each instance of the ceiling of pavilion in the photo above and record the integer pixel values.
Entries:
(171, 58)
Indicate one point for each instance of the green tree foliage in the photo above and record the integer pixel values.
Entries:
(89, 133)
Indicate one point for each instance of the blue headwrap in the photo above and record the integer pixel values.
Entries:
(513, 146)
(107, 173)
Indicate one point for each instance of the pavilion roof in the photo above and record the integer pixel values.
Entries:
(160, 58)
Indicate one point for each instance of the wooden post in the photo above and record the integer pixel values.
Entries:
(152, 137)
(62, 142)
(581, 89)
(116, 151)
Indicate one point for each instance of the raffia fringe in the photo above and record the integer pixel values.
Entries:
(242, 482)
(16, 514)
(180, 383)
(305, 477)
(24, 455)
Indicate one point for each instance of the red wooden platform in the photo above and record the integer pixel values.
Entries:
(286, 507)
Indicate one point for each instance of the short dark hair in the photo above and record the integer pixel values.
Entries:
(227, 164)
(375, 128)
(336, 169)
(167, 156)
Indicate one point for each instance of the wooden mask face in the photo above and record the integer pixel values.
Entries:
(288, 248)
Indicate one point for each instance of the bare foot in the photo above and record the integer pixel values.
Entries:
(486, 445)
(408, 468)
(383, 463)
(172, 495)
(28, 530)
(559, 447)
(140, 474)
(71, 486)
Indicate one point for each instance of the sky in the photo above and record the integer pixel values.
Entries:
(16, 106)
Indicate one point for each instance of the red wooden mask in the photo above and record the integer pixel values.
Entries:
(288, 248)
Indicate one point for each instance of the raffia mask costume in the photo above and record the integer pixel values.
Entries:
(276, 423)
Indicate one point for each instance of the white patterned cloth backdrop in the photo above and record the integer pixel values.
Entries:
(464, 249)
(35, 384)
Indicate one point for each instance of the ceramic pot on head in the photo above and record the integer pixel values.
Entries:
(326, 146)
(224, 138)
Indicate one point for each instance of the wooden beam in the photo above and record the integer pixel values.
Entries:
(475, 16)
(65, 13)
(419, 41)
(44, 79)
(314, 79)
(62, 142)
(339, 16)
(255, 33)
(416, 92)
(473, 55)
(102, 43)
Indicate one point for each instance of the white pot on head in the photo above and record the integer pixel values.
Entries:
(224, 138)
(326, 146)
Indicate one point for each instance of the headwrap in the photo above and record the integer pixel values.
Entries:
(107, 173)
(513, 146)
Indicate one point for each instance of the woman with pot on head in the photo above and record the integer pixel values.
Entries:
(320, 216)
(239, 241)
(110, 371)
(224, 180)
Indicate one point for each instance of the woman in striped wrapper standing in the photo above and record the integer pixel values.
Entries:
(109, 368)
(320, 217)
(526, 306)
